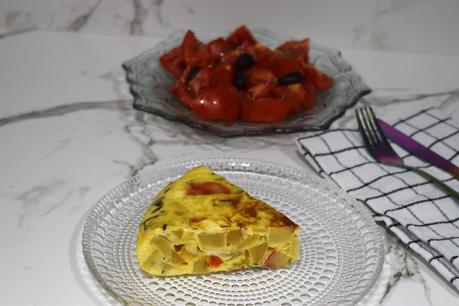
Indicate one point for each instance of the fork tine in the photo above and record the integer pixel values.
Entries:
(376, 129)
(364, 128)
(370, 125)
(373, 131)
(371, 128)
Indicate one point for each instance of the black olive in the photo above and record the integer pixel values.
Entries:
(193, 72)
(244, 61)
(290, 78)
(239, 80)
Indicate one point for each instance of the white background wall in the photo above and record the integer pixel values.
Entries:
(420, 26)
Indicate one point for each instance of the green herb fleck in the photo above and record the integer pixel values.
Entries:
(148, 220)
(158, 202)
(156, 209)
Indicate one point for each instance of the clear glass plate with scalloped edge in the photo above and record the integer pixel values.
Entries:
(341, 248)
(149, 85)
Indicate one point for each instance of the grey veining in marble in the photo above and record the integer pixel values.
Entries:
(380, 35)
(416, 26)
(64, 109)
(403, 267)
(81, 20)
(17, 22)
(403, 25)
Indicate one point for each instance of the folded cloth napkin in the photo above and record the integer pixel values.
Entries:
(422, 216)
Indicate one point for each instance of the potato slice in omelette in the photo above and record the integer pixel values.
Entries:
(203, 223)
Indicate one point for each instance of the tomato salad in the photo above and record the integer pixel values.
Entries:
(237, 78)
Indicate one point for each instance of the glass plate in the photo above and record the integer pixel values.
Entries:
(341, 248)
(149, 85)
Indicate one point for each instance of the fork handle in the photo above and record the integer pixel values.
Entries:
(450, 191)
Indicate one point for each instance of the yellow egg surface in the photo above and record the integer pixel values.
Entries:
(202, 223)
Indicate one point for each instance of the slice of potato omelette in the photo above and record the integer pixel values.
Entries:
(202, 223)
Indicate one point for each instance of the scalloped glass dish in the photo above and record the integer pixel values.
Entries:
(149, 85)
(341, 248)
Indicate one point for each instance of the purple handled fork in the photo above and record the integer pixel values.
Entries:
(380, 149)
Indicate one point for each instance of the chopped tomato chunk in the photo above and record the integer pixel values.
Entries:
(260, 81)
(217, 103)
(296, 49)
(184, 93)
(263, 55)
(172, 62)
(217, 49)
(309, 95)
(214, 261)
(201, 81)
(241, 36)
(293, 94)
(264, 110)
(320, 80)
(281, 66)
(194, 52)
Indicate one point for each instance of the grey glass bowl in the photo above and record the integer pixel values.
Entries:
(149, 84)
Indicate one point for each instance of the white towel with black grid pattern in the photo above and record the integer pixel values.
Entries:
(418, 213)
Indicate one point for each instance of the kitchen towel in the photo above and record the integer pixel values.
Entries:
(422, 216)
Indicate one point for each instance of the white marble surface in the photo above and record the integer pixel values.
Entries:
(68, 135)
(420, 26)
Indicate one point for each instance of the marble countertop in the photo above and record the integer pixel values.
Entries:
(69, 135)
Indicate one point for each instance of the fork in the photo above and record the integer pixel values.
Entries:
(380, 149)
